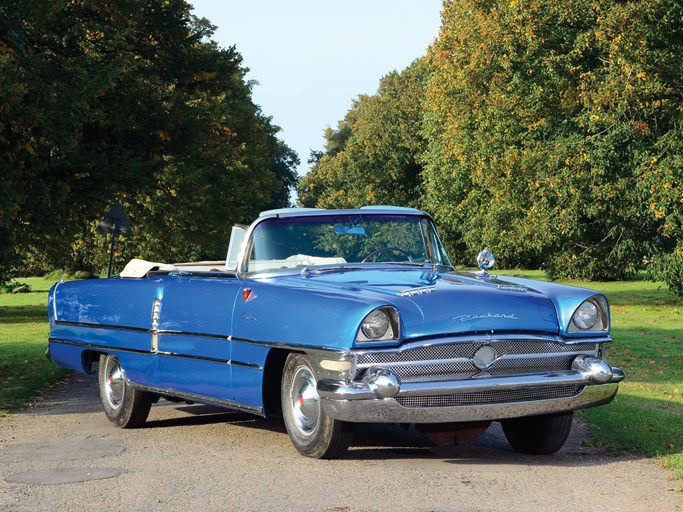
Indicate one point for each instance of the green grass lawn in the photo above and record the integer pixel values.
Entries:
(647, 325)
(24, 369)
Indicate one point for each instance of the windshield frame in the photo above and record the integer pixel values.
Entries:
(430, 236)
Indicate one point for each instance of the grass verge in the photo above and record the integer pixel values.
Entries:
(24, 369)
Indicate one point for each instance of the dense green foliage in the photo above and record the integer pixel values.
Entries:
(669, 268)
(551, 120)
(128, 100)
(551, 132)
(373, 155)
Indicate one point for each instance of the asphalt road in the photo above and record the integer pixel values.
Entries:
(63, 455)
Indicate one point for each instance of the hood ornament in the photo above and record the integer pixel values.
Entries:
(485, 261)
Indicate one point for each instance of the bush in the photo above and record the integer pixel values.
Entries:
(669, 268)
(15, 287)
(67, 275)
(599, 262)
(84, 274)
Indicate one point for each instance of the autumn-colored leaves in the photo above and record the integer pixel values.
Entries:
(548, 131)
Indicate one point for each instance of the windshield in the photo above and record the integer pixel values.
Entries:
(294, 242)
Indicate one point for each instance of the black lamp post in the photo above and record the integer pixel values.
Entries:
(114, 222)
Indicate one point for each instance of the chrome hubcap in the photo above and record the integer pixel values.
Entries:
(304, 401)
(114, 385)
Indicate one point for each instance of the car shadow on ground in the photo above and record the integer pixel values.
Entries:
(397, 442)
(200, 414)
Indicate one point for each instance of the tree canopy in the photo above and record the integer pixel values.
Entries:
(549, 125)
(128, 100)
(549, 131)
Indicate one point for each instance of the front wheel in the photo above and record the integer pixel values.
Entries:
(311, 431)
(124, 405)
(538, 435)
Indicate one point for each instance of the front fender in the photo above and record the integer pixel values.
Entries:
(299, 316)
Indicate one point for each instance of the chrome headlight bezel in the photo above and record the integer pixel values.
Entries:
(374, 319)
(591, 316)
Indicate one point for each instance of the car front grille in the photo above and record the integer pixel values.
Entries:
(454, 360)
(489, 397)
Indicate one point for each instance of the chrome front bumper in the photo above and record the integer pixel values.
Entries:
(376, 398)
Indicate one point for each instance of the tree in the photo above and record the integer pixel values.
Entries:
(541, 118)
(130, 101)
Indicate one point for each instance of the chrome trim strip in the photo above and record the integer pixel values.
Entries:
(246, 365)
(544, 355)
(504, 357)
(101, 348)
(101, 326)
(484, 338)
(54, 299)
(109, 348)
(292, 346)
(167, 332)
(192, 397)
(140, 329)
(211, 360)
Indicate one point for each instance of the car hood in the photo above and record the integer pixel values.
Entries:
(440, 303)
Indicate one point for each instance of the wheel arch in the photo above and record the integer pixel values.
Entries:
(272, 380)
(90, 358)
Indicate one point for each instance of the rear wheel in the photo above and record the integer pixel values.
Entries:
(124, 405)
(311, 431)
(538, 435)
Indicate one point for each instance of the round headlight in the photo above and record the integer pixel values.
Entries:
(375, 325)
(587, 315)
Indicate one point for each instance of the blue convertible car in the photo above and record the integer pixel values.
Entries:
(335, 317)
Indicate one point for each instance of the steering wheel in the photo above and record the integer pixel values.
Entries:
(383, 249)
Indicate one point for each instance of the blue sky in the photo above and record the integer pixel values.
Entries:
(313, 57)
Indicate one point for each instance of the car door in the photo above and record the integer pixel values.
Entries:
(193, 343)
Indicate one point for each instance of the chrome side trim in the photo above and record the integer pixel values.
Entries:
(109, 348)
(54, 299)
(99, 348)
(101, 326)
(141, 329)
(167, 332)
(293, 346)
(211, 360)
(154, 325)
